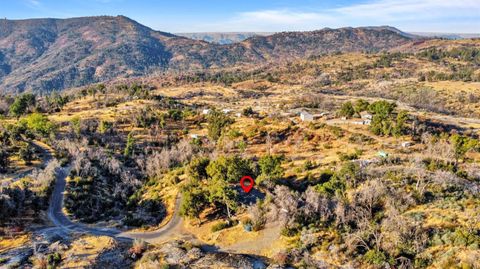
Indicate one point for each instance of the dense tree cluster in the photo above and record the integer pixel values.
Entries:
(467, 54)
(214, 182)
(384, 121)
(217, 122)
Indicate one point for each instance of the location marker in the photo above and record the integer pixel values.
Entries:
(249, 184)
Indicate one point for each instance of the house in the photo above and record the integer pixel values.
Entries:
(305, 116)
(206, 111)
(406, 144)
(226, 111)
(362, 122)
(238, 115)
(194, 136)
(365, 115)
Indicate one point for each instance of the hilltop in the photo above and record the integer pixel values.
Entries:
(53, 54)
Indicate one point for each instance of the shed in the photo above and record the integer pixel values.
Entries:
(366, 116)
(407, 144)
(305, 116)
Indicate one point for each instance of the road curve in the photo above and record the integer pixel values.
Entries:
(172, 230)
(61, 220)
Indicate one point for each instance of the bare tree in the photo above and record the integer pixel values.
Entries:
(285, 205)
(317, 205)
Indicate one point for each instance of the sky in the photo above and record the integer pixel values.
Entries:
(445, 16)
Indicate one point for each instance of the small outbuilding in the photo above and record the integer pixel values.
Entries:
(206, 111)
(305, 116)
(366, 115)
(407, 144)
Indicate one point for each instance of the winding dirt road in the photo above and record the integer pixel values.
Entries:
(174, 229)
(61, 220)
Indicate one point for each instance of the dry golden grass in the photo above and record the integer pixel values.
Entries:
(447, 214)
(85, 250)
(7, 243)
(86, 108)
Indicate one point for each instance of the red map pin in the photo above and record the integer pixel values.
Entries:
(246, 187)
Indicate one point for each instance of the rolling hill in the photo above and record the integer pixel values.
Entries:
(53, 54)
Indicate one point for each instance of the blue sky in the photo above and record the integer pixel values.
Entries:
(455, 16)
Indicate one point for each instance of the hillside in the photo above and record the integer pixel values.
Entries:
(359, 160)
(53, 54)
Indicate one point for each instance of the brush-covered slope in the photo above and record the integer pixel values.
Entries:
(54, 54)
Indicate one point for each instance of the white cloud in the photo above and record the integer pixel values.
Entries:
(402, 9)
(411, 15)
(33, 3)
(282, 17)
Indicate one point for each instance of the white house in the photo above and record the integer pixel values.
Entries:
(238, 115)
(206, 111)
(305, 116)
(226, 111)
(366, 116)
(194, 136)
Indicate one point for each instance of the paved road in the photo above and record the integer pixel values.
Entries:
(59, 219)
(172, 230)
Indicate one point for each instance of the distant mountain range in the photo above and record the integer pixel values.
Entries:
(53, 54)
(234, 37)
(447, 35)
(224, 38)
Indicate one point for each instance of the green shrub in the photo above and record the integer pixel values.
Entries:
(347, 110)
(217, 122)
(223, 225)
(308, 165)
(375, 257)
(38, 124)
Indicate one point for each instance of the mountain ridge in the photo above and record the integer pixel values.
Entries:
(54, 54)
